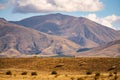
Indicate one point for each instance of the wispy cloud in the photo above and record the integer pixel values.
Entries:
(34, 6)
(108, 21)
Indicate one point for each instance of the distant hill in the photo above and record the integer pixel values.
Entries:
(80, 30)
(111, 49)
(17, 41)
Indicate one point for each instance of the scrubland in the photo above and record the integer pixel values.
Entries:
(59, 68)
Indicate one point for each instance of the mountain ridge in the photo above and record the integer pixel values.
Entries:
(16, 41)
(80, 30)
(111, 49)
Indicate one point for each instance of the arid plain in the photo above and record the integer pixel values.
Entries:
(60, 68)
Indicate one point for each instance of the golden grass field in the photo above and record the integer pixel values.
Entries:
(60, 68)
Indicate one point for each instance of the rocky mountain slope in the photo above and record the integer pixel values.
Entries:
(111, 49)
(80, 30)
(16, 41)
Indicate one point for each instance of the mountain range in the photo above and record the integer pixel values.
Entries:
(57, 35)
(80, 30)
(18, 41)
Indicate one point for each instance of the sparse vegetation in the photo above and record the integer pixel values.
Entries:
(8, 73)
(51, 69)
(57, 75)
(115, 77)
(110, 74)
(53, 72)
(59, 65)
(115, 72)
(97, 74)
(66, 75)
(80, 79)
(24, 73)
(88, 72)
(33, 73)
(112, 68)
(72, 78)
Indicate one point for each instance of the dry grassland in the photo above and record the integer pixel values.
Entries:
(59, 68)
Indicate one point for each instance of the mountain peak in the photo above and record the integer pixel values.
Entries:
(58, 14)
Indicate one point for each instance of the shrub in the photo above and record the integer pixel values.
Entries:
(24, 73)
(53, 72)
(112, 68)
(97, 74)
(57, 75)
(33, 74)
(80, 79)
(8, 73)
(66, 75)
(110, 74)
(72, 78)
(60, 65)
(115, 72)
(115, 77)
(88, 72)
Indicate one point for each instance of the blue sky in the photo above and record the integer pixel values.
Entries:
(106, 12)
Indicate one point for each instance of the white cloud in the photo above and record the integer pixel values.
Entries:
(31, 6)
(2, 6)
(108, 21)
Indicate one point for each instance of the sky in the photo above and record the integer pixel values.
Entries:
(105, 12)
